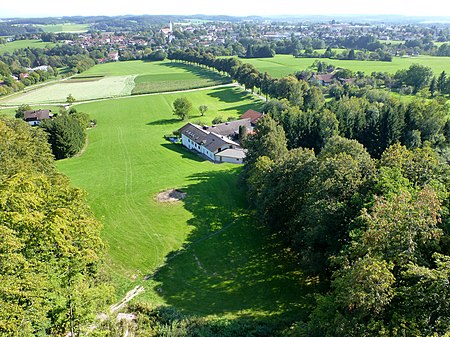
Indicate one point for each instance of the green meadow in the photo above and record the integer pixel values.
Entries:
(153, 77)
(282, 65)
(207, 254)
(65, 28)
(9, 47)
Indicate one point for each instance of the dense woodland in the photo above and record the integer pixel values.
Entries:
(51, 255)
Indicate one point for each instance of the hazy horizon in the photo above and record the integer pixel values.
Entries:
(52, 8)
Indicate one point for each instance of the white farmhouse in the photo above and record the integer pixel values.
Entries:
(215, 141)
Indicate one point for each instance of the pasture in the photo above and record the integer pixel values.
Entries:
(282, 65)
(9, 47)
(65, 28)
(206, 254)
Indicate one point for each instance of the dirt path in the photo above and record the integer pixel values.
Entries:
(128, 297)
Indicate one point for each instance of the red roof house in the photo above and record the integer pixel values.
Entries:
(253, 115)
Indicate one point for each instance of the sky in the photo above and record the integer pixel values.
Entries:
(43, 8)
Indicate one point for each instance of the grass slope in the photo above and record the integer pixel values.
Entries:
(207, 254)
(282, 65)
(18, 44)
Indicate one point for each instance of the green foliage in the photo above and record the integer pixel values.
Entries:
(417, 76)
(66, 134)
(70, 99)
(309, 198)
(268, 140)
(202, 109)
(50, 247)
(218, 120)
(157, 55)
(166, 321)
(21, 109)
(181, 108)
(23, 149)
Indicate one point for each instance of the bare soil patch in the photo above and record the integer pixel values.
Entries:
(172, 195)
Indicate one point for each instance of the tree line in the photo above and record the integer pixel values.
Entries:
(375, 231)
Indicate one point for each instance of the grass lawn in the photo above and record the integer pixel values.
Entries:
(282, 65)
(207, 254)
(65, 28)
(18, 44)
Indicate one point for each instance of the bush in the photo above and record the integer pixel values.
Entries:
(218, 120)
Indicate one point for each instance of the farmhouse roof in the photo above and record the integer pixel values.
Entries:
(37, 115)
(326, 78)
(229, 128)
(253, 115)
(210, 140)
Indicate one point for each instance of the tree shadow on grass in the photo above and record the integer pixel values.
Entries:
(200, 72)
(243, 108)
(185, 153)
(228, 95)
(165, 121)
(230, 263)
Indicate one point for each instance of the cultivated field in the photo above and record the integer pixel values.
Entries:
(186, 77)
(212, 255)
(81, 89)
(11, 46)
(282, 65)
(65, 28)
(121, 79)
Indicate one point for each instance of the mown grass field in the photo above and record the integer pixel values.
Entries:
(65, 28)
(117, 79)
(9, 47)
(207, 254)
(187, 77)
(56, 93)
(282, 65)
(160, 76)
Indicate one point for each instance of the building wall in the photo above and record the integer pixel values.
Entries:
(186, 141)
(199, 148)
(229, 160)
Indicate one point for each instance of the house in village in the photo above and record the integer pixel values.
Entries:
(35, 117)
(330, 78)
(219, 143)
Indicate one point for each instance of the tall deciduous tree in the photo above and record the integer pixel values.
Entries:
(181, 107)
